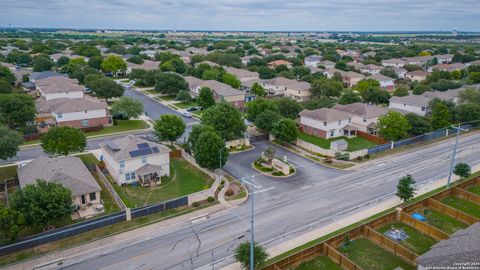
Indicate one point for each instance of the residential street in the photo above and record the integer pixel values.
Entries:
(285, 208)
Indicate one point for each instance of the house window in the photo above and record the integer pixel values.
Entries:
(325, 123)
(122, 163)
(130, 176)
(349, 120)
(85, 123)
(144, 160)
(404, 104)
(364, 120)
(86, 111)
(59, 115)
(93, 196)
(332, 133)
(423, 109)
(339, 122)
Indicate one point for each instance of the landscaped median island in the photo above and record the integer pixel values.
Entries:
(268, 164)
(403, 236)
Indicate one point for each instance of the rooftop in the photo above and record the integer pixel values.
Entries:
(325, 114)
(362, 109)
(132, 146)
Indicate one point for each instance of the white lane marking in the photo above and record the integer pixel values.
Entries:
(263, 190)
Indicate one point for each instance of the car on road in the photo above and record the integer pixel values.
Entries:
(193, 109)
(187, 114)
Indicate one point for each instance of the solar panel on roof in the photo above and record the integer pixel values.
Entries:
(113, 146)
(140, 152)
(142, 145)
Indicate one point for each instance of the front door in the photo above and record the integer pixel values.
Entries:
(83, 199)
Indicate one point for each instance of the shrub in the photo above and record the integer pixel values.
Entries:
(360, 158)
(277, 173)
(210, 199)
(367, 156)
(222, 182)
(328, 160)
(196, 204)
(342, 156)
(229, 192)
(292, 170)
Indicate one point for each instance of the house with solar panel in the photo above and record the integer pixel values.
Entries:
(132, 159)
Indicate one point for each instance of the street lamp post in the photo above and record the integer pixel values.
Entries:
(454, 153)
(252, 221)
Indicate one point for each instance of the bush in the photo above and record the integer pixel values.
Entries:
(196, 204)
(367, 156)
(328, 160)
(277, 173)
(292, 170)
(210, 199)
(342, 156)
(229, 192)
(360, 158)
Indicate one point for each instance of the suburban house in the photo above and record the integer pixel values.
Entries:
(444, 58)
(371, 69)
(68, 171)
(410, 104)
(277, 63)
(206, 62)
(418, 60)
(326, 123)
(461, 247)
(417, 75)
(401, 72)
(473, 63)
(351, 78)
(59, 87)
(81, 112)
(299, 91)
(448, 67)
(146, 65)
(242, 74)
(326, 64)
(364, 116)
(221, 91)
(246, 59)
(35, 76)
(312, 60)
(281, 86)
(394, 62)
(385, 82)
(133, 159)
(57, 56)
(264, 51)
(149, 53)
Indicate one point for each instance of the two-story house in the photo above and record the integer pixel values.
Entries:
(364, 116)
(312, 60)
(393, 62)
(133, 159)
(59, 87)
(326, 123)
(385, 82)
(410, 104)
(221, 91)
(242, 74)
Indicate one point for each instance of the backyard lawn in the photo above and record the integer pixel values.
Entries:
(121, 126)
(370, 256)
(186, 104)
(151, 92)
(320, 262)
(167, 97)
(443, 222)
(354, 144)
(416, 241)
(463, 205)
(474, 189)
(185, 179)
(8, 172)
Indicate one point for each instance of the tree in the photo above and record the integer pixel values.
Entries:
(231, 80)
(393, 126)
(11, 222)
(42, 63)
(401, 91)
(474, 77)
(209, 147)
(258, 90)
(183, 96)
(420, 88)
(62, 61)
(205, 98)
(170, 83)
(95, 62)
(406, 188)
(259, 105)
(114, 64)
(5, 86)
(389, 72)
(63, 141)
(10, 140)
(326, 88)
(174, 65)
(225, 119)
(467, 112)
(266, 120)
(106, 88)
(43, 202)
(318, 102)
(462, 170)
(288, 107)
(242, 255)
(376, 96)
(6, 74)
(195, 133)
(441, 116)
(16, 109)
(127, 107)
(169, 127)
(469, 95)
(419, 124)
(349, 97)
(285, 130)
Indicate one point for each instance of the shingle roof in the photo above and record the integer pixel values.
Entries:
(146, 65)
(68, 105)
(462, 246)
(380, 77)
(58, 85)
(45, 74)
(292, 84)
(128, 144)
(325, 114)
(362, 109)
(412, 100)
(68, 171)
(221, 88)
(241, 72)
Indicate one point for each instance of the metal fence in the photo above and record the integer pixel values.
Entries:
(379, 148)
(89, 225)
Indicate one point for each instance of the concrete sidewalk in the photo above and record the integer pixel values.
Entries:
(389, 203)
(111, 243)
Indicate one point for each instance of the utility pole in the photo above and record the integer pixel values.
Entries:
(454, 152)
(252, 220)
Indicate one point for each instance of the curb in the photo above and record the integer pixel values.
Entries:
(274, 176)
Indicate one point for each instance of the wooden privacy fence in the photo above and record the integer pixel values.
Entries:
(390, 245)
(467, 195)
(372, 138)
(450, 211)
(339, 258)
(423, 227)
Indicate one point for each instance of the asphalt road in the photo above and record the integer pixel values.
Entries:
(285, 208)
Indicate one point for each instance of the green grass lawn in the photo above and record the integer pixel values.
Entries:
(167, 97)
(416, 241)
(443, 222)
(474, 189)
(152, 92)
(370, 256)
(8, 172)
(354, 144)
(185, 179)
(186, 104)
(463, 205)
(320, 262)
(121, 126)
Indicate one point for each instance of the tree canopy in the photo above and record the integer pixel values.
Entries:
(169, 127)
(106, 88)
(114, 64)
(242, 255)
(406, 188)
(63, 141)
(10, 141)
(393, 126)
(127, 107)
(209, 149)
(170, 83)
(285, 130)
(205, 98)
(16, 109)
(225, 119)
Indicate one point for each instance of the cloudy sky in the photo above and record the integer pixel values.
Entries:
(308, 15)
